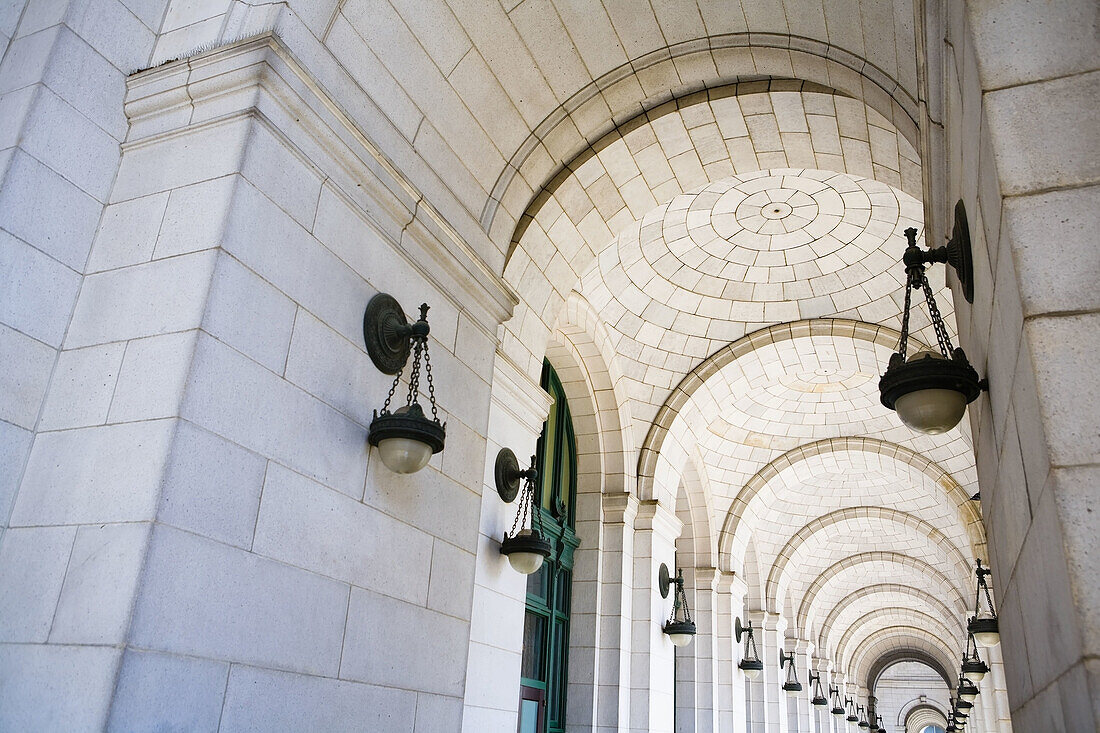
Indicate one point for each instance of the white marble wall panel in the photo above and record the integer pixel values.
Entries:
(198, 689)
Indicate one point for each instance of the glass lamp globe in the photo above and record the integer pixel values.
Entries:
(405, 438)
(974, 670)
(526, 551)
(985, 630)
(752, 668)
(404, 455)
(680, 633)
(968, 692)
(934, 410)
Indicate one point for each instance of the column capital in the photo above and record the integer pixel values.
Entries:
(620, 509)
(655, 516)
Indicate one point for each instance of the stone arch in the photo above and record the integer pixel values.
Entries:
(905, 655)
(894, 589)
(955, 495)
(958, 595)
(655, 441)
(620, 95)
(885, 641)
(895, 615)
(586, 380)
(754, 584)
(827, 521)
(694, 485)
(580, 330)
(915, 715)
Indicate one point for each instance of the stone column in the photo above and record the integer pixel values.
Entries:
(730, 687)
(616, 609)
(651, 671)
(803, 651)
(697, 665)
(769, 637)
(516, 414)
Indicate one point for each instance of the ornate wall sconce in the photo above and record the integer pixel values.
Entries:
(791, 684)
(863, 718)
(983, 624)
(838, 706)
(930, 390)
(750, 663)
(525, 547)
(973, 668)
(815, 682)
(679, 627)
(850, 708)
(406, 439)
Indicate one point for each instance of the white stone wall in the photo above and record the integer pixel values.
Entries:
(1012, 90)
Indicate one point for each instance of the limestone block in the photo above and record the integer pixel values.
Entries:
(437, 713)
(209, 152)
(450, 589)
(488, 662)
(1023, 121)
(265, 700)
(307, 525)
(1013, 39)
(282, 174)
(185, 41)
(249, 314)
(182, 14)
(38, 293)
(93, 475)
(70, 144)
(238, 399)
(195, 217)
(336, 371)
(26, 59)
(127, 233)
(1078, 506)
(32, 569)
(203, 598)
(211, 487)
(144, 300)
(82, 387)
(428, 500)
(153, 376)
(1062, 277)
(56, 688)
(15, 446)
(1042, 573)
(26, 374)
(113, 31)
(197, 688)
(95, 603)
(270, 243)
(1070, 405)
(397, 644)
(15, 106)
(48, 212)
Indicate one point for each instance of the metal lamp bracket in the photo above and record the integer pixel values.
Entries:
(664, 580)
(738, 629)
(386, 333)
(957, 253)
(508, 474)
(784, 658)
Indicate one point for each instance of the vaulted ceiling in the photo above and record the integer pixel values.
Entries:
(710, 198)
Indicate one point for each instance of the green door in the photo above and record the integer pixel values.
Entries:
(546, 623)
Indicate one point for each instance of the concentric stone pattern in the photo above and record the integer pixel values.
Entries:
(749, 251)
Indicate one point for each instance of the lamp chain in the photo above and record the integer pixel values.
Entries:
(903, 342)
(393, 388)
(431, 384)
(937, 320)
(982, 587)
